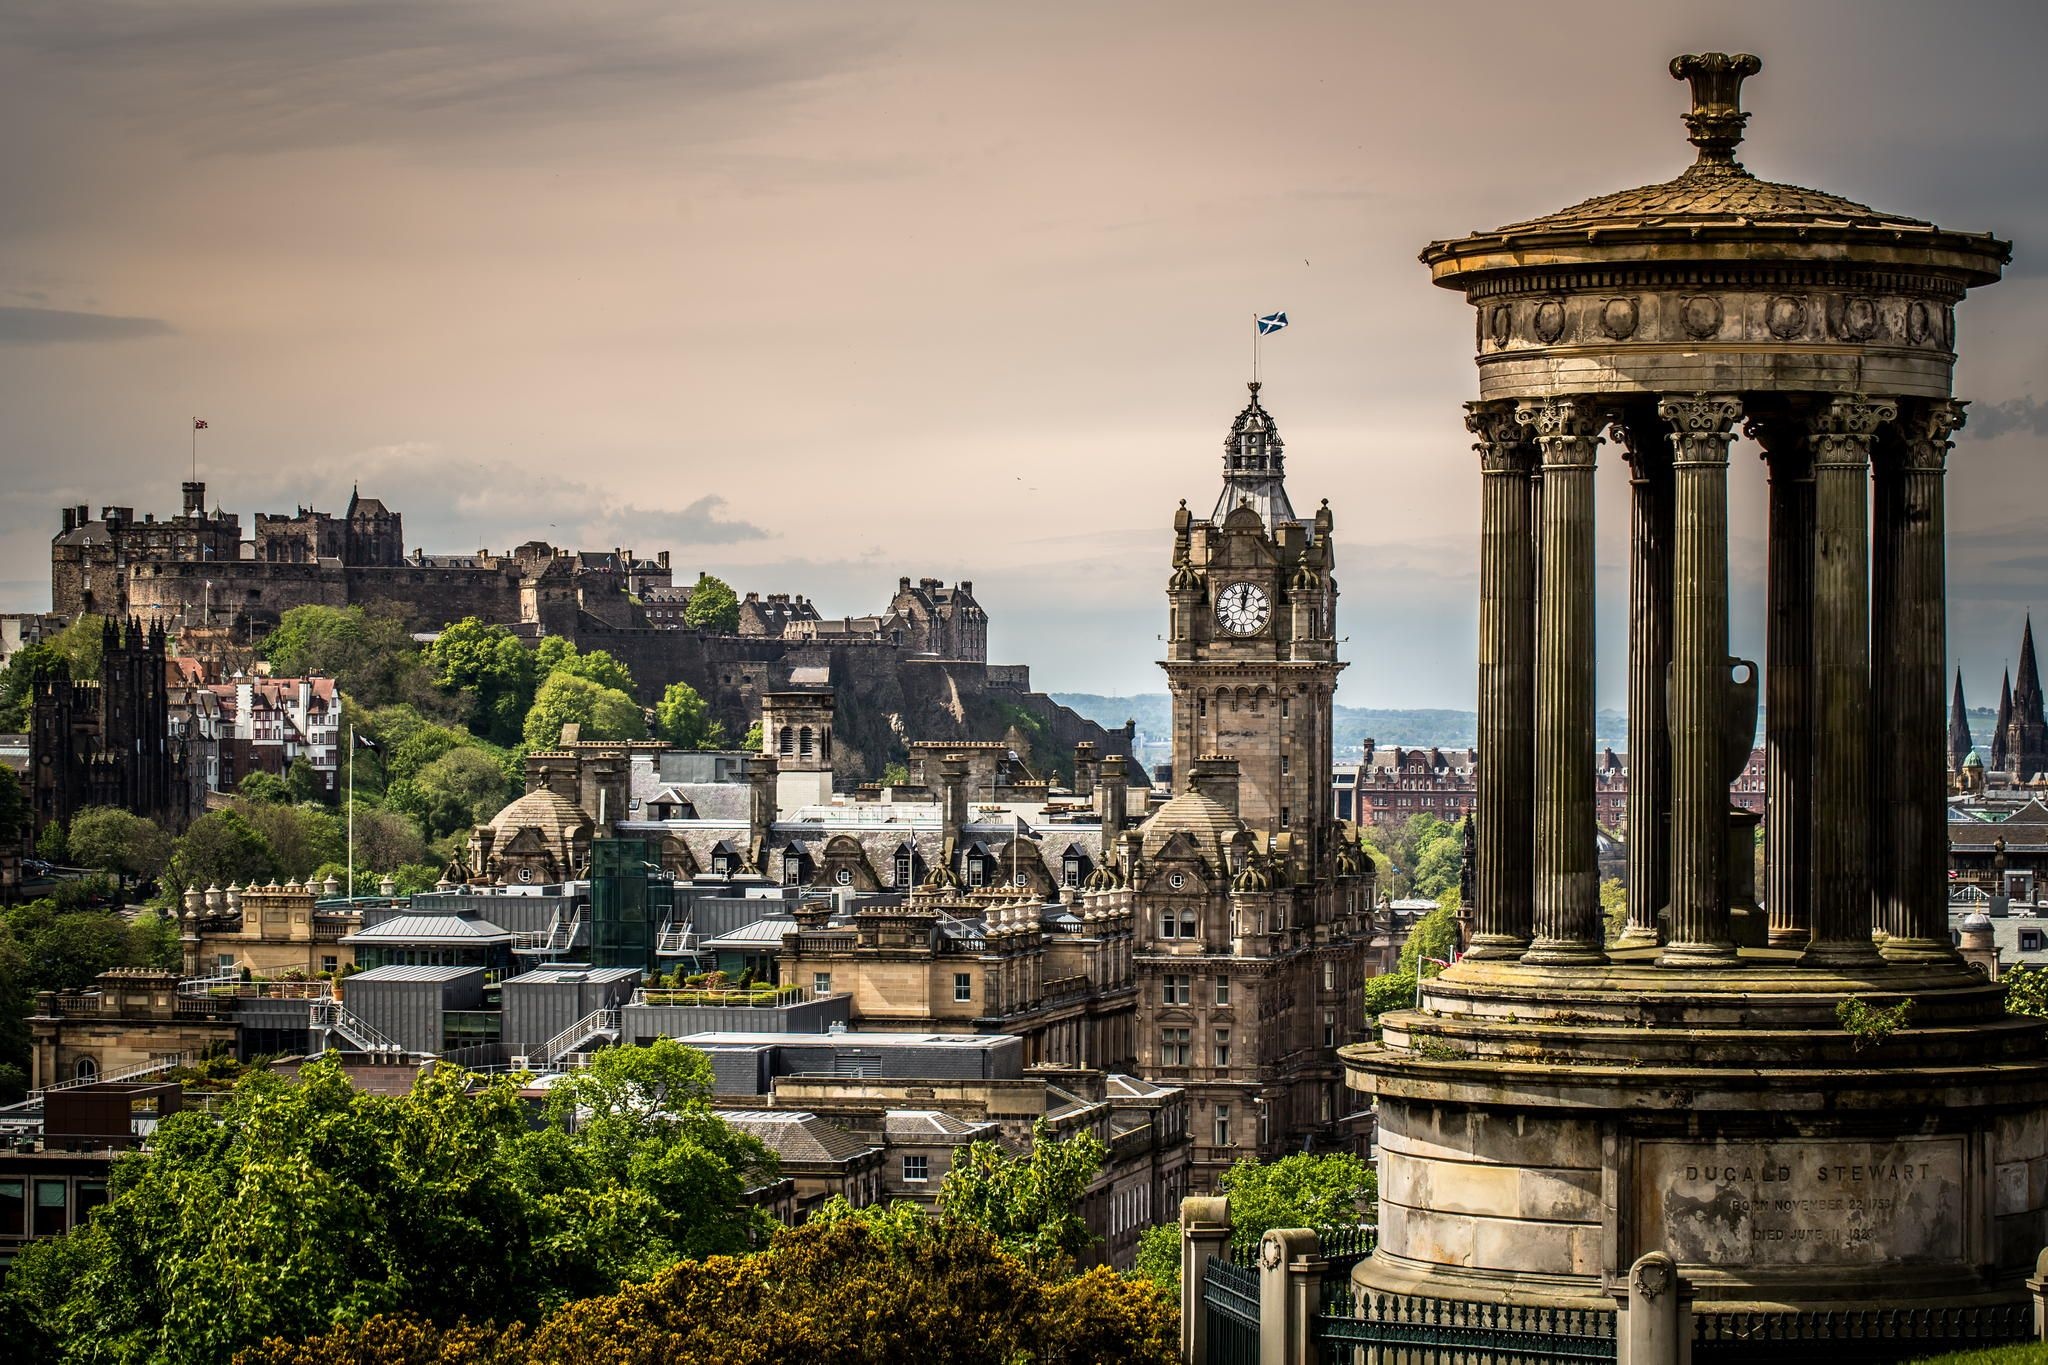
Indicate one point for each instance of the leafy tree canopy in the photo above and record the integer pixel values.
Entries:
(14, 808)
(684, 719)
(305, 1204)
(220, 847)
(598, 666)
(370, 655)
(263, 788)
(1301, 1191)
(492, 669)
(115, 840)
(1031, 1203)
(862, 1290)
(713, 606)
(2026, 989)
(602, 712)
(751, 741)
(300, 838)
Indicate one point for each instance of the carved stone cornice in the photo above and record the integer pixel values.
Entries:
(1503, 443)
(1844, 429)
(1702, 425)
(1567, 428)
(1926, 429)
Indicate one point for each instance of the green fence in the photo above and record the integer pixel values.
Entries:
(1230, 1306)
(1856, 1337)
(1413, 1329)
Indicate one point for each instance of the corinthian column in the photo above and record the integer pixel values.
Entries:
(1842, 729)
(1910, 625)
(1788, 682)
(1568, 927)
(1502, 912)
(1702, 426)
(1649, 659)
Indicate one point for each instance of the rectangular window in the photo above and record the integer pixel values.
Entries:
(1285, 767)
(86, 1196)
(1329, 1028)
(821, 983)
(50, 1205)
(1222, 990)
(963, 987)
(1329, 976)
(224, 961)
(916, 1170)
(13, 1207)
(1169, 924)
(1187, 924)
(1222, 1125)
(1285, 819)
(1173, 1047)
(329, 963)
(1222, 1047)
(1173, 990)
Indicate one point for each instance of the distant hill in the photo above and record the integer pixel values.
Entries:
(1354, 724)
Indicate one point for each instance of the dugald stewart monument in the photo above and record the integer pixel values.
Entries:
(1817, 1106)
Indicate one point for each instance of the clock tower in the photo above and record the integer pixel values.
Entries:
(1251, 642)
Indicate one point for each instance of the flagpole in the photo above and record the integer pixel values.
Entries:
(351, 813)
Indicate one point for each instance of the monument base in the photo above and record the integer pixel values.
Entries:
(1541, 1128)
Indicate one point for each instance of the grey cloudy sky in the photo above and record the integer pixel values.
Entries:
(817, 294)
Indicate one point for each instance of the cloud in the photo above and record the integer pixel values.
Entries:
(1989, 420)
(54, 326)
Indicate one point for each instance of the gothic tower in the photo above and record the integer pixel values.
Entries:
(2025, 726)
(1251, 644)
(1959, 740)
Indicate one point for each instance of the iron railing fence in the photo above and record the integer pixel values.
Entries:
(1874, 1336)
(1413, 1329)
(1230, 1306)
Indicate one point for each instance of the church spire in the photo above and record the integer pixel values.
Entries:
(1998, 727)
(1959, 741)
(2026, 693)
(1254, 466)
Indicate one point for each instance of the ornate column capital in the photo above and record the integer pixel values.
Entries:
(1566, 428)
(1503, 444)
(1702, 425)
(1927, 429)
(1844, 429)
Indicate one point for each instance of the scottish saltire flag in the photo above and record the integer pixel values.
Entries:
(1272, 323)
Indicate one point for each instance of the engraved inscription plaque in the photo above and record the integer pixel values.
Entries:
(1820, 1202)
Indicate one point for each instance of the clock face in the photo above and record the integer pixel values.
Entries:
(1242, 608)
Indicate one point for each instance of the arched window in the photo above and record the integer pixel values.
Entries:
(803, 742)
(85, 1069)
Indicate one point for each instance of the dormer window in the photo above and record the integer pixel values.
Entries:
(977, 871)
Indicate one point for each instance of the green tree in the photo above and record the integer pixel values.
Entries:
(118, 841)
(1032, 1203)
(51, 845)
(81, 645)
(1435, 935)
(1389, 991)
(221, 847)
(488, 665)
(1336, 1190)
(14, 809)
(845, 1289)
(463, 788)
(600, 667)
(1158, 1258)
(300, 838)
(300, 1205)
(303, 782)
(263, 788)
(602, 712)
(750, 742)
(370, 656)
(713, 606)
(683, 719)
(385, 841)
(1614, 907)
(65, 951)
(27, 666)
(2026, 989)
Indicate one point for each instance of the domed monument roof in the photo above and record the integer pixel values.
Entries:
(1717, 201)
(545, 810)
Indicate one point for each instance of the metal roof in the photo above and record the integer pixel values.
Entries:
(408, 974)
(462, 930)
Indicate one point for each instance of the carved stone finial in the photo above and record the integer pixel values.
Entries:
(1716, 120)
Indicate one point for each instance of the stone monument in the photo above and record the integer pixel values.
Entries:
(1822, 1109)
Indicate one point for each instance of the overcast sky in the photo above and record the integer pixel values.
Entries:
(816, 295)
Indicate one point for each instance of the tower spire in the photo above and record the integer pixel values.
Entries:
(1254, 466)
(1959, 741)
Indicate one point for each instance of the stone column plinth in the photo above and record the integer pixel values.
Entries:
(1649, 661)
(1842, 723)
(1567, 891)
(1910, 631)
(1702, 425)
(1788, 682)
(1502, 910)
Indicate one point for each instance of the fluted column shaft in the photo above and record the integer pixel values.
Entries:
(1910, 627)
(1842, 723)
(1702, 426)
(1788, 684)
(1502, 912)
(1567, 891)
(1649, 660)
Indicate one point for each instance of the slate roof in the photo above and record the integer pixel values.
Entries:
(798, 1136)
